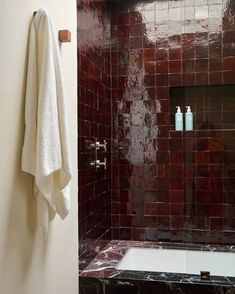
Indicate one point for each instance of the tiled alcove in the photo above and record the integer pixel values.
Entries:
(213, 106)
(202, 163)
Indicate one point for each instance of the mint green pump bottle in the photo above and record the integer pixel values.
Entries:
(188, 119)
(178, 119)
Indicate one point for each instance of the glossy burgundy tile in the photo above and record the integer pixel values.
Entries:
(175, 79)
(216, 224)
(189, 66)
(176, 209)
(202, 78)
(177, 196)
(163, 209)
(161, 67)
(94, 92)
(216, 210)
(228, 77)
(162, 93)
(162, 170)
(202, 171)
(150, 67)
(136, 30)
(203, 158)
(202, 184)
(136, 18)
(162, 53)
(162, 180)
(176, 171)
(175, 53)
(123, 18)
(215, 65)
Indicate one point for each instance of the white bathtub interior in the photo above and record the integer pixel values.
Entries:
(178, 261)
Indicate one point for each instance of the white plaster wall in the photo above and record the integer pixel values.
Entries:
(28, 263)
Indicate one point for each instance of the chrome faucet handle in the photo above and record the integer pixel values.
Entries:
(100, 145)
(90, 144)
(93, 163)
(100, 163)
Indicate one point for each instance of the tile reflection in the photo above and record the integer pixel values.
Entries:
(173, 44)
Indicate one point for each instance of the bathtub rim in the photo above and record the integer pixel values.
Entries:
(119, 247)
(128, 251)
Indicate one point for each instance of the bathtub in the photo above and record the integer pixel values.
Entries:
(178, 261)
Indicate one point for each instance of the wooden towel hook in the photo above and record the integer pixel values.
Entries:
(63, 35)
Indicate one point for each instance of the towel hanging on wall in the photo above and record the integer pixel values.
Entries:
(46, 150)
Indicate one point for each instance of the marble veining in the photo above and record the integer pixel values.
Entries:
(103, 266)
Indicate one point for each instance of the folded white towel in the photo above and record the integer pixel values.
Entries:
(46, 150)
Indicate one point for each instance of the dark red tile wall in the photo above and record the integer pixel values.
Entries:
(94, 106)
(167, 185)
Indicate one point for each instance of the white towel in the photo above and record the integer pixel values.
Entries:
(46, 150)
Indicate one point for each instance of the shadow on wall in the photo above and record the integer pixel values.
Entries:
(19, 245)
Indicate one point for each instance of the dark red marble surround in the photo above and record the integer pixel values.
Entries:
(167, 185)
(104, 265)
(94, 106)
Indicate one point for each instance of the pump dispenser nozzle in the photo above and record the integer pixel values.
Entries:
(188, 108)
(178, 109)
